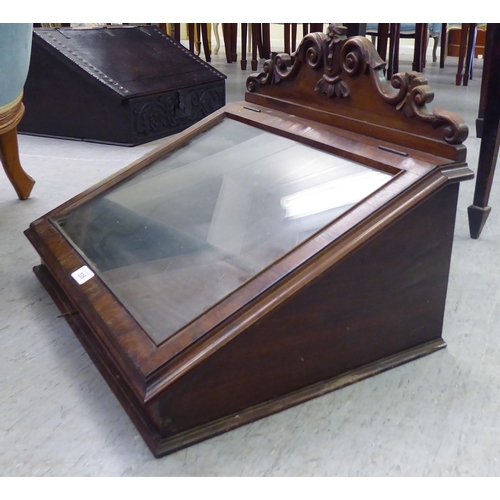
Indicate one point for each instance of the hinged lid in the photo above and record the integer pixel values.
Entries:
(132, 61)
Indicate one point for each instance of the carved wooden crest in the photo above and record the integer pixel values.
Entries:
(341, 81)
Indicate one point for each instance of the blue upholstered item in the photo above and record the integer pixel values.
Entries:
(15, 53)
(406, 28)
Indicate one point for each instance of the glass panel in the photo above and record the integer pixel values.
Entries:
(191, 228)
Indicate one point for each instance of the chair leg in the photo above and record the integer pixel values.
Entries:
(461, 55)
(197, 38)
(383, 37)
(286, 38)
(434, 48)
(266, 40)
(316, 27)
(469, 60)
(206, 45)
(255, 44)
(294, 37)
(488, 55)
(424, 44)
(444, 44)
(226, 35)
(217, 38)
(234, 39)
(243, 60)
(420, 33)
(191, 36)
(488, 153)
(9, 155)
(393, 66)
(177, 32)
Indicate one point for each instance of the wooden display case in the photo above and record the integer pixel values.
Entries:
(281, 248)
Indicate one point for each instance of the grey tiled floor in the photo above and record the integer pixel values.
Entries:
(437, 416)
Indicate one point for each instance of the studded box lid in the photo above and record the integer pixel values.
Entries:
(142, 61)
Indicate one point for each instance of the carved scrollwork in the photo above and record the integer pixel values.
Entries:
(358, 55)
(317, 51)
(340, 60)
(408, 92)
(412, 95)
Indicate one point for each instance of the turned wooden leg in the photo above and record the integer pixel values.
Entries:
(9, 154)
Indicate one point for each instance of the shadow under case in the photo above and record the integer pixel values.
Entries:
(281, 248)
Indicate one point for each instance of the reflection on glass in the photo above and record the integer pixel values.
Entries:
(187, 231)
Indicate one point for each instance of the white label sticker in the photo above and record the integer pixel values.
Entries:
(82, 275)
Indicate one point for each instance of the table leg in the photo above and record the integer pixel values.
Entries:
(484, 80)
(488, 153)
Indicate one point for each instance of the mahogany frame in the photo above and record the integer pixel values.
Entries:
(160, 386)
